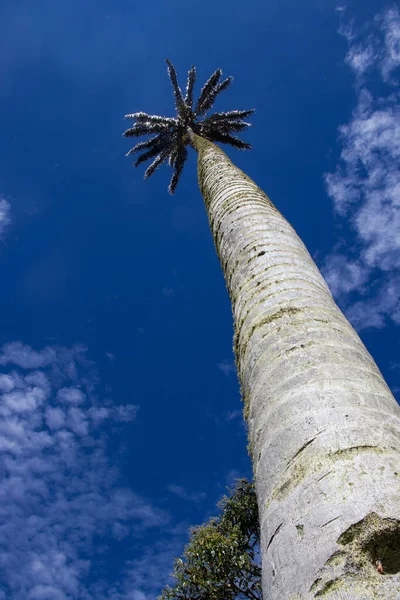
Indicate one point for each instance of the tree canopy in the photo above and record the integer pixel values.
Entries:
(172, 134)
(221, 560)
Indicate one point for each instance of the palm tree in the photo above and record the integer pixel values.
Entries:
(324, 428)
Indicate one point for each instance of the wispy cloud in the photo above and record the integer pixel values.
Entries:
(365, 187)
(62, 510)
(373, 312)
(234, 414)
(377, 48)
(23, 356)
(5, 217)
(231, 476)
(168, 292)
(226, 366)
(181, 492)
(145, 577)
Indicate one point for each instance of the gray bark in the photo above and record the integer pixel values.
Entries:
(324, 428)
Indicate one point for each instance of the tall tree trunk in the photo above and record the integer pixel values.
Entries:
(324, 428)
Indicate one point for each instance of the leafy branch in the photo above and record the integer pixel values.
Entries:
(220, 562)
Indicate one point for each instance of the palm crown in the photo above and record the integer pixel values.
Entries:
(173, 134)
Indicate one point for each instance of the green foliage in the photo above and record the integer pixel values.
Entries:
(221, 560)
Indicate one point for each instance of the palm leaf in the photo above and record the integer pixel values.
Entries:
(225, 124)
(211, 97)
(142, 117)
(225, 138)
(206, 90)
(174, 153)
(162, 157)
(179, 101)
(189, 87)
(145, 128)
(232, 114)
(178, 166)
(150, 153)
(146, 144)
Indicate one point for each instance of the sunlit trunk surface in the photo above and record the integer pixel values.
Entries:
(324, 428)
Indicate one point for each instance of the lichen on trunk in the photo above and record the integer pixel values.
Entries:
(324, 428)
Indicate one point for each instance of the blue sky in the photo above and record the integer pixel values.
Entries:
(120, 409)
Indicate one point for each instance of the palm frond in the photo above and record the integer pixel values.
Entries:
(146, 144)
(226, 138)
(236, 126)
(212, 95)
(232, 114)
(189, 87)
(206, 90)
(142, 117)
(152, 152)
(174, 152)
(224, 125)
(145, 128)
(162, 157)
(179, 101)
(178, 168)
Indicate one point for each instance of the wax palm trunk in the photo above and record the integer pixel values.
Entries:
(324, 428)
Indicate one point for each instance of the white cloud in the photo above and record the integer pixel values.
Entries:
(6, 383)
(226, 366)
(361, 57)
(61, 509)
(379, 49)
(373, 311)
(365, 187)
(71, 395)
(126, 412)
(234, 414)
(5, 218)
(55, 418)
(344, 275)
(23, 356)
(391, 30)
